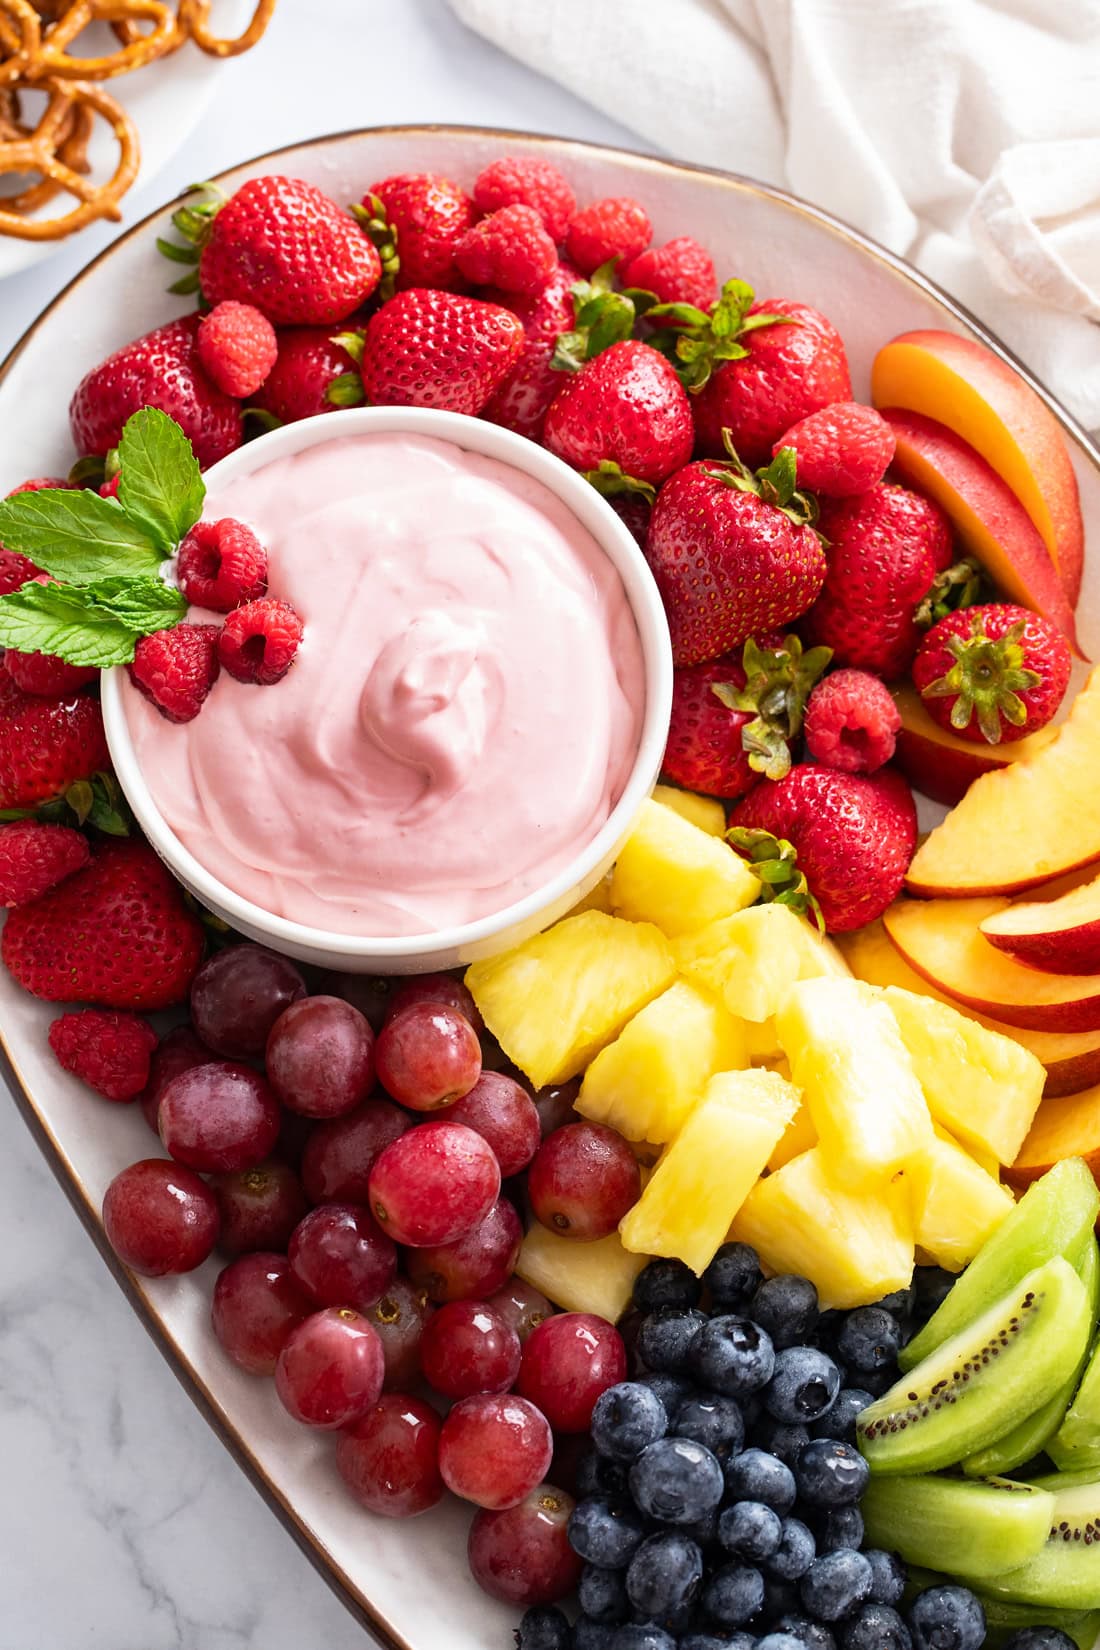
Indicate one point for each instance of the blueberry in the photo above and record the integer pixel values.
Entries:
(870, 1339)
(780, 1598)
(887, 1576)
(931, 1287)
(666, 1283)
(732, 1356)
(900, 1303)
(947, 1618)
(750, 1530)
(840, 1527)
(676, 1480)
(672, 1390)
(666, 1337)
(755, 1475)
(664, 1575)
(605, 1532)
(804, 1385)
(718, 1641)
(796, 1551)
(733, 1595)
(711, 1420)
(787, 1307)
(733, 1276)
(787, 1442)
(704, 1531)
(877, 1627)
(1040, 1638)
(778, 1641)
(597, 1476)
(830, 1474)
(878, 1381)
(835, 1585)
(626, 1418)
(544, 1628)
(809, 1635)
(602, 1595)
(840, 1421)
(646, 1637)
(592, 1635)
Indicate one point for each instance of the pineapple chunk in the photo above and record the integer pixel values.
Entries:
(762, 1040)
(800, 1136)
(956, 1204)
(855, 1246)
(671, 873)
(580, 1277)
(848, 1058)
(646, 1082)
(597, 898)
(553, 1002)
(752, 959)
(984, 1087)
(705, 811)
(710, 1168)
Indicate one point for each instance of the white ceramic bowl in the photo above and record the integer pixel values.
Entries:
(449, 947)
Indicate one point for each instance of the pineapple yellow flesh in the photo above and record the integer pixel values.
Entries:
(671, 873)
(798, 1137)
(705, 811)
(752, 959)
(848, 1058)
(762, 1040)
(956, 1204)
(709, 1169)
(580, 1277)
(646, 1082)
(984, 1088)
(855, 1246)
(553, 1002)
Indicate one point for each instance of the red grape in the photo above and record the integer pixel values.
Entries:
(337, 1161)
(433, 1184)
(399, 1319)
(238, 994)
(583, 1180)
(369, 993)
(504, 1114)
(329, 1372)
(567, 1362)
(257, 1302)
(474, 1265)
(160, 1218)
(555, 1104)
(320, 1057)
(468, 1348)
(522, 1305)
(390, 1459)
(494, 1449)
(259, 1207)
(339, 1255)
(522, 1554)
(434, 988)
(178, 1050)
(428, 1056)
(219, 1118)
(295, 1133)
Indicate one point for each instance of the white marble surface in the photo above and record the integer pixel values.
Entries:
(123, 1524)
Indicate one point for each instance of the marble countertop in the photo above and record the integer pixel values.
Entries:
(123, 1523)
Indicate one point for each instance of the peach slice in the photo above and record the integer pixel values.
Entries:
(988, 518)
(942, 939)
(962, 384)
(1025, 823)
(1061, 936)
(938, 762)
(1069, 1127)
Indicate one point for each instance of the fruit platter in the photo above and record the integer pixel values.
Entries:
(567, 990)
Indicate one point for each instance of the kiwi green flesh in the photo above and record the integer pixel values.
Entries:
(1003, 1617)
(1080, 1431)
(1055, 1216)
(963, 1525)
(984, 1380)
(1065, 1574)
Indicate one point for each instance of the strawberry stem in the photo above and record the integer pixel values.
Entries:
(697, 341)
(774, 862)
(777, 686)
(986, 680)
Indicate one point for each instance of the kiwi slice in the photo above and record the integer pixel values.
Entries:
(984, 1380)
(966, 1526)
(1076, 1444)
(1065, 1574)
(1055, 1216)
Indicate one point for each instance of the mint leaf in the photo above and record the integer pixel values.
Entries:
(95, 624)
(145, 604)
(160, 487)
(77, 536)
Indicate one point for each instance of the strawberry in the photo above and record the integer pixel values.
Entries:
(46, 676)
(842, 450)
(626, 407)
(15, 571)
(108, 1051)
(993, 673)
(886, 547)
(436, 349)
(237, 347)
(509, 249)
(118, 933)
(160, 369)
(46, 744)
(527, 181)
(851, 722)
(313, 373)
(427, 215)
(521, 401)
(616, 227)
(680, 272)
(732, 554)
(34, 858)
(177, 668)
(853, 836)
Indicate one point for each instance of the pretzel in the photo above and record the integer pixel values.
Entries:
(20, 40)
(55, 59)
(39, 151)
(194, 17)
(72, 149)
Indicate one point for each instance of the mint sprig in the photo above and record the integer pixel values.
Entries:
(75, 536)
(160, 487)
(95, 624)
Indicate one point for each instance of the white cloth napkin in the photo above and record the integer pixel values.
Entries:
(964, 134)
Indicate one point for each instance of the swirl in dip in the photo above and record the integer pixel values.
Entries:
(463, 711)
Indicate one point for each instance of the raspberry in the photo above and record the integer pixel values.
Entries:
(107, 1050)
(615, 227)
(680, 272)
(221, 564)
(15, 571)
(429, 214)
(851, 722)
(510, 250)
(177, 668)
(38, 483)
(522, 180)
(46, 676)
(34, 858)
(110, 488)
(259, 641)
(842, 450)
(236, 347)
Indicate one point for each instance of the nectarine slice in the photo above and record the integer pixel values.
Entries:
(991, 523)
(1069, 1127)
(939, 763)
(1061, 936)
(1025, 823)
(942, 939)
(960, 383)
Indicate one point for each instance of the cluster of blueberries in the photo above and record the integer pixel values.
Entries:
(719, 1507)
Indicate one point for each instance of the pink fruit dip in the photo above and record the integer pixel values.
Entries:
(462, 714)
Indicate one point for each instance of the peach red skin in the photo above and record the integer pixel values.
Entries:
(436, 349)
(107, 1050)
(626, 405)
(522, 398)
(1045, 650)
